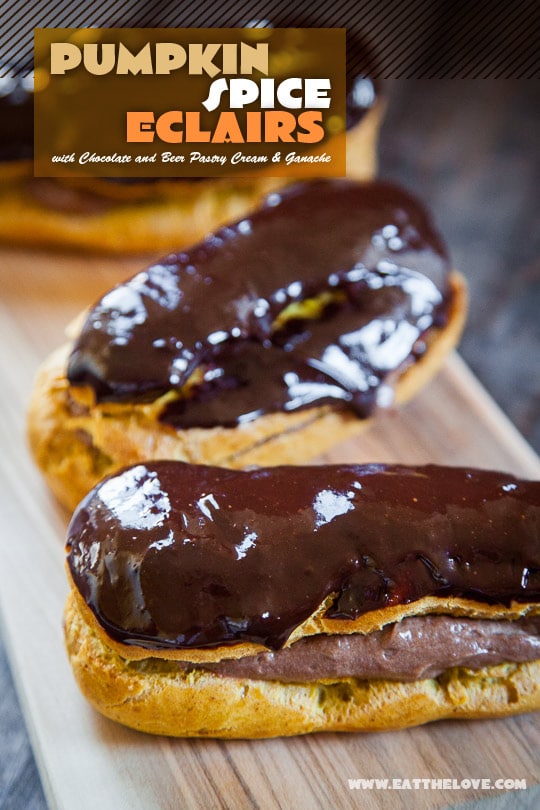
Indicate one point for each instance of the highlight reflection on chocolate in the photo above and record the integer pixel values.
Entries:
(169, 555)
(316, 298)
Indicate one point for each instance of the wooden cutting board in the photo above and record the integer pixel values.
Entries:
(87, 761)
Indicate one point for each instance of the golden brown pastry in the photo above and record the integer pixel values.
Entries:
(266, 343)
(285, 600)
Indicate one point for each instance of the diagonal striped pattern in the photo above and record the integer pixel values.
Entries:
(485, 39)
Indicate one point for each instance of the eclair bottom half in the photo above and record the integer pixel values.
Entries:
(161, 696)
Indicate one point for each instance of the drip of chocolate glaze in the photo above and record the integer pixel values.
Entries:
(169, 555)
(369, 248)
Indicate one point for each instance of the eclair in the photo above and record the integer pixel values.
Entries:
(143, 215)
(266, 343)
(221, 603)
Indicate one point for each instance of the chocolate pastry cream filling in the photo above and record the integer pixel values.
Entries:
(415, 648)
(322, 296)
(172, 556)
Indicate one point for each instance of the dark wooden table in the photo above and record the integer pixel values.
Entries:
(470, 150)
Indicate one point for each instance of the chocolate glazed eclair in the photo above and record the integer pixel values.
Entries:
(138, 215)
(214, 602)
(266, 343)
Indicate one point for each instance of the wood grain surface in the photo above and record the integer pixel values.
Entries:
(469, 149)
(86, 761)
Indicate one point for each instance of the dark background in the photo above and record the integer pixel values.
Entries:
(469, 149)
(413, 38)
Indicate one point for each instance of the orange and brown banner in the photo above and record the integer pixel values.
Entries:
(159, 102)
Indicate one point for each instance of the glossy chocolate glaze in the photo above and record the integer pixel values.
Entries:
(370, 246)
(172, 555)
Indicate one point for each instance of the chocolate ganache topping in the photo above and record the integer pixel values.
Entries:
(172, 555)
(318, 297)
